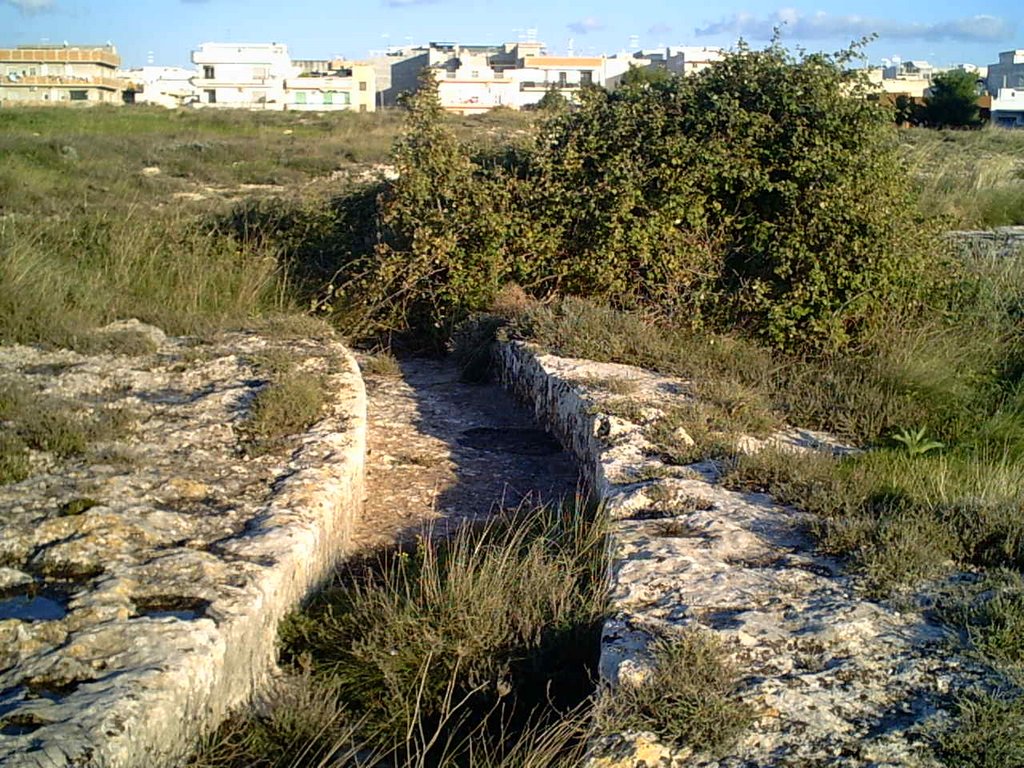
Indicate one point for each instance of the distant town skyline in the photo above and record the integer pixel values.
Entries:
(166, 31)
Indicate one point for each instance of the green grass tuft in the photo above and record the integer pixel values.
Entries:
(289, 404)
(689, 697)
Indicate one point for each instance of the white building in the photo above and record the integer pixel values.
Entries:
(1008, 73)
(1008, 108)
(681, 59)
(912, 70)
(163, 86)
(249, 75)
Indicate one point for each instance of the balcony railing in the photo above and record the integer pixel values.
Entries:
(66, 81)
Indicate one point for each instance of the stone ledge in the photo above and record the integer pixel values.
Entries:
(196, 555)
(833, 678)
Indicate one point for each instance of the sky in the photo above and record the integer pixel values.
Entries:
(166, 31)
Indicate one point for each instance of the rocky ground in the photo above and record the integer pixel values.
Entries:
(125, 557)
(122, 560)
(145, 563)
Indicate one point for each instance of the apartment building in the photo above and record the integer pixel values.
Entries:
(476, 78)
(1007, 73)
(331, 86)
(565, 74)
(247, 75)
(680, 59)
(905, 85)
(60, 75)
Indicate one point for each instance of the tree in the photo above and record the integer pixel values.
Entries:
(552, 101)
(907, 111)
(650, 75)
(953, 102)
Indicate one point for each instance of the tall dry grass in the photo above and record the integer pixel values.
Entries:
(972, 179)
(61, 277)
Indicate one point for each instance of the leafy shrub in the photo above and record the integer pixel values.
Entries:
(764, 191)
(989, 732)
(764, 186)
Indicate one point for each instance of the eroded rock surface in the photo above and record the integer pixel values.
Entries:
(833, 678)
(143, 578)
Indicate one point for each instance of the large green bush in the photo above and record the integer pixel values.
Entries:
(763, 193)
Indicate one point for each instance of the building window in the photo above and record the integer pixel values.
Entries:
(586, 77)
(362, 107)
(79, 95)
(563, 79)
(300, 97)
(260, 73)
(450, 74)
(328, 97)
(211, 97)
(362, 85)
(345, 98)
(475, 74)
(208, 72)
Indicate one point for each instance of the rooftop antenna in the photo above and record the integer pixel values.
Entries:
(572, 43)
(634, 42)
(149, 58)
(531, 34)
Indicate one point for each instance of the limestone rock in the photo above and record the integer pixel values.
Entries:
(143, 581)
(835, 679)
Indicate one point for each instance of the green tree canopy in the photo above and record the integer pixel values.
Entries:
(953, 102)
(650, 75)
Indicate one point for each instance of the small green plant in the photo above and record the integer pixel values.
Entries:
(689, 697)
(615, 385)
(77, 506)
(993, 617)
(302, 723)
(917, 442)
(285, 406)
(677, 529)
(381, 363)
(480, 635)
(14, 460)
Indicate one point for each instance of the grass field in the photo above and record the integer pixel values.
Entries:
(120, 212)
(975, 179)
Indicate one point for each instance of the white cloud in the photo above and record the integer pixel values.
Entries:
(29, 7)
(585, 25)
(973, 29)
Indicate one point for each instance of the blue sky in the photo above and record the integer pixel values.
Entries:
(941, 31)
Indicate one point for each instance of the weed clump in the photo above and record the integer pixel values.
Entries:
(462, 640)
(689, 697)
(288, 404)
(989, 732)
